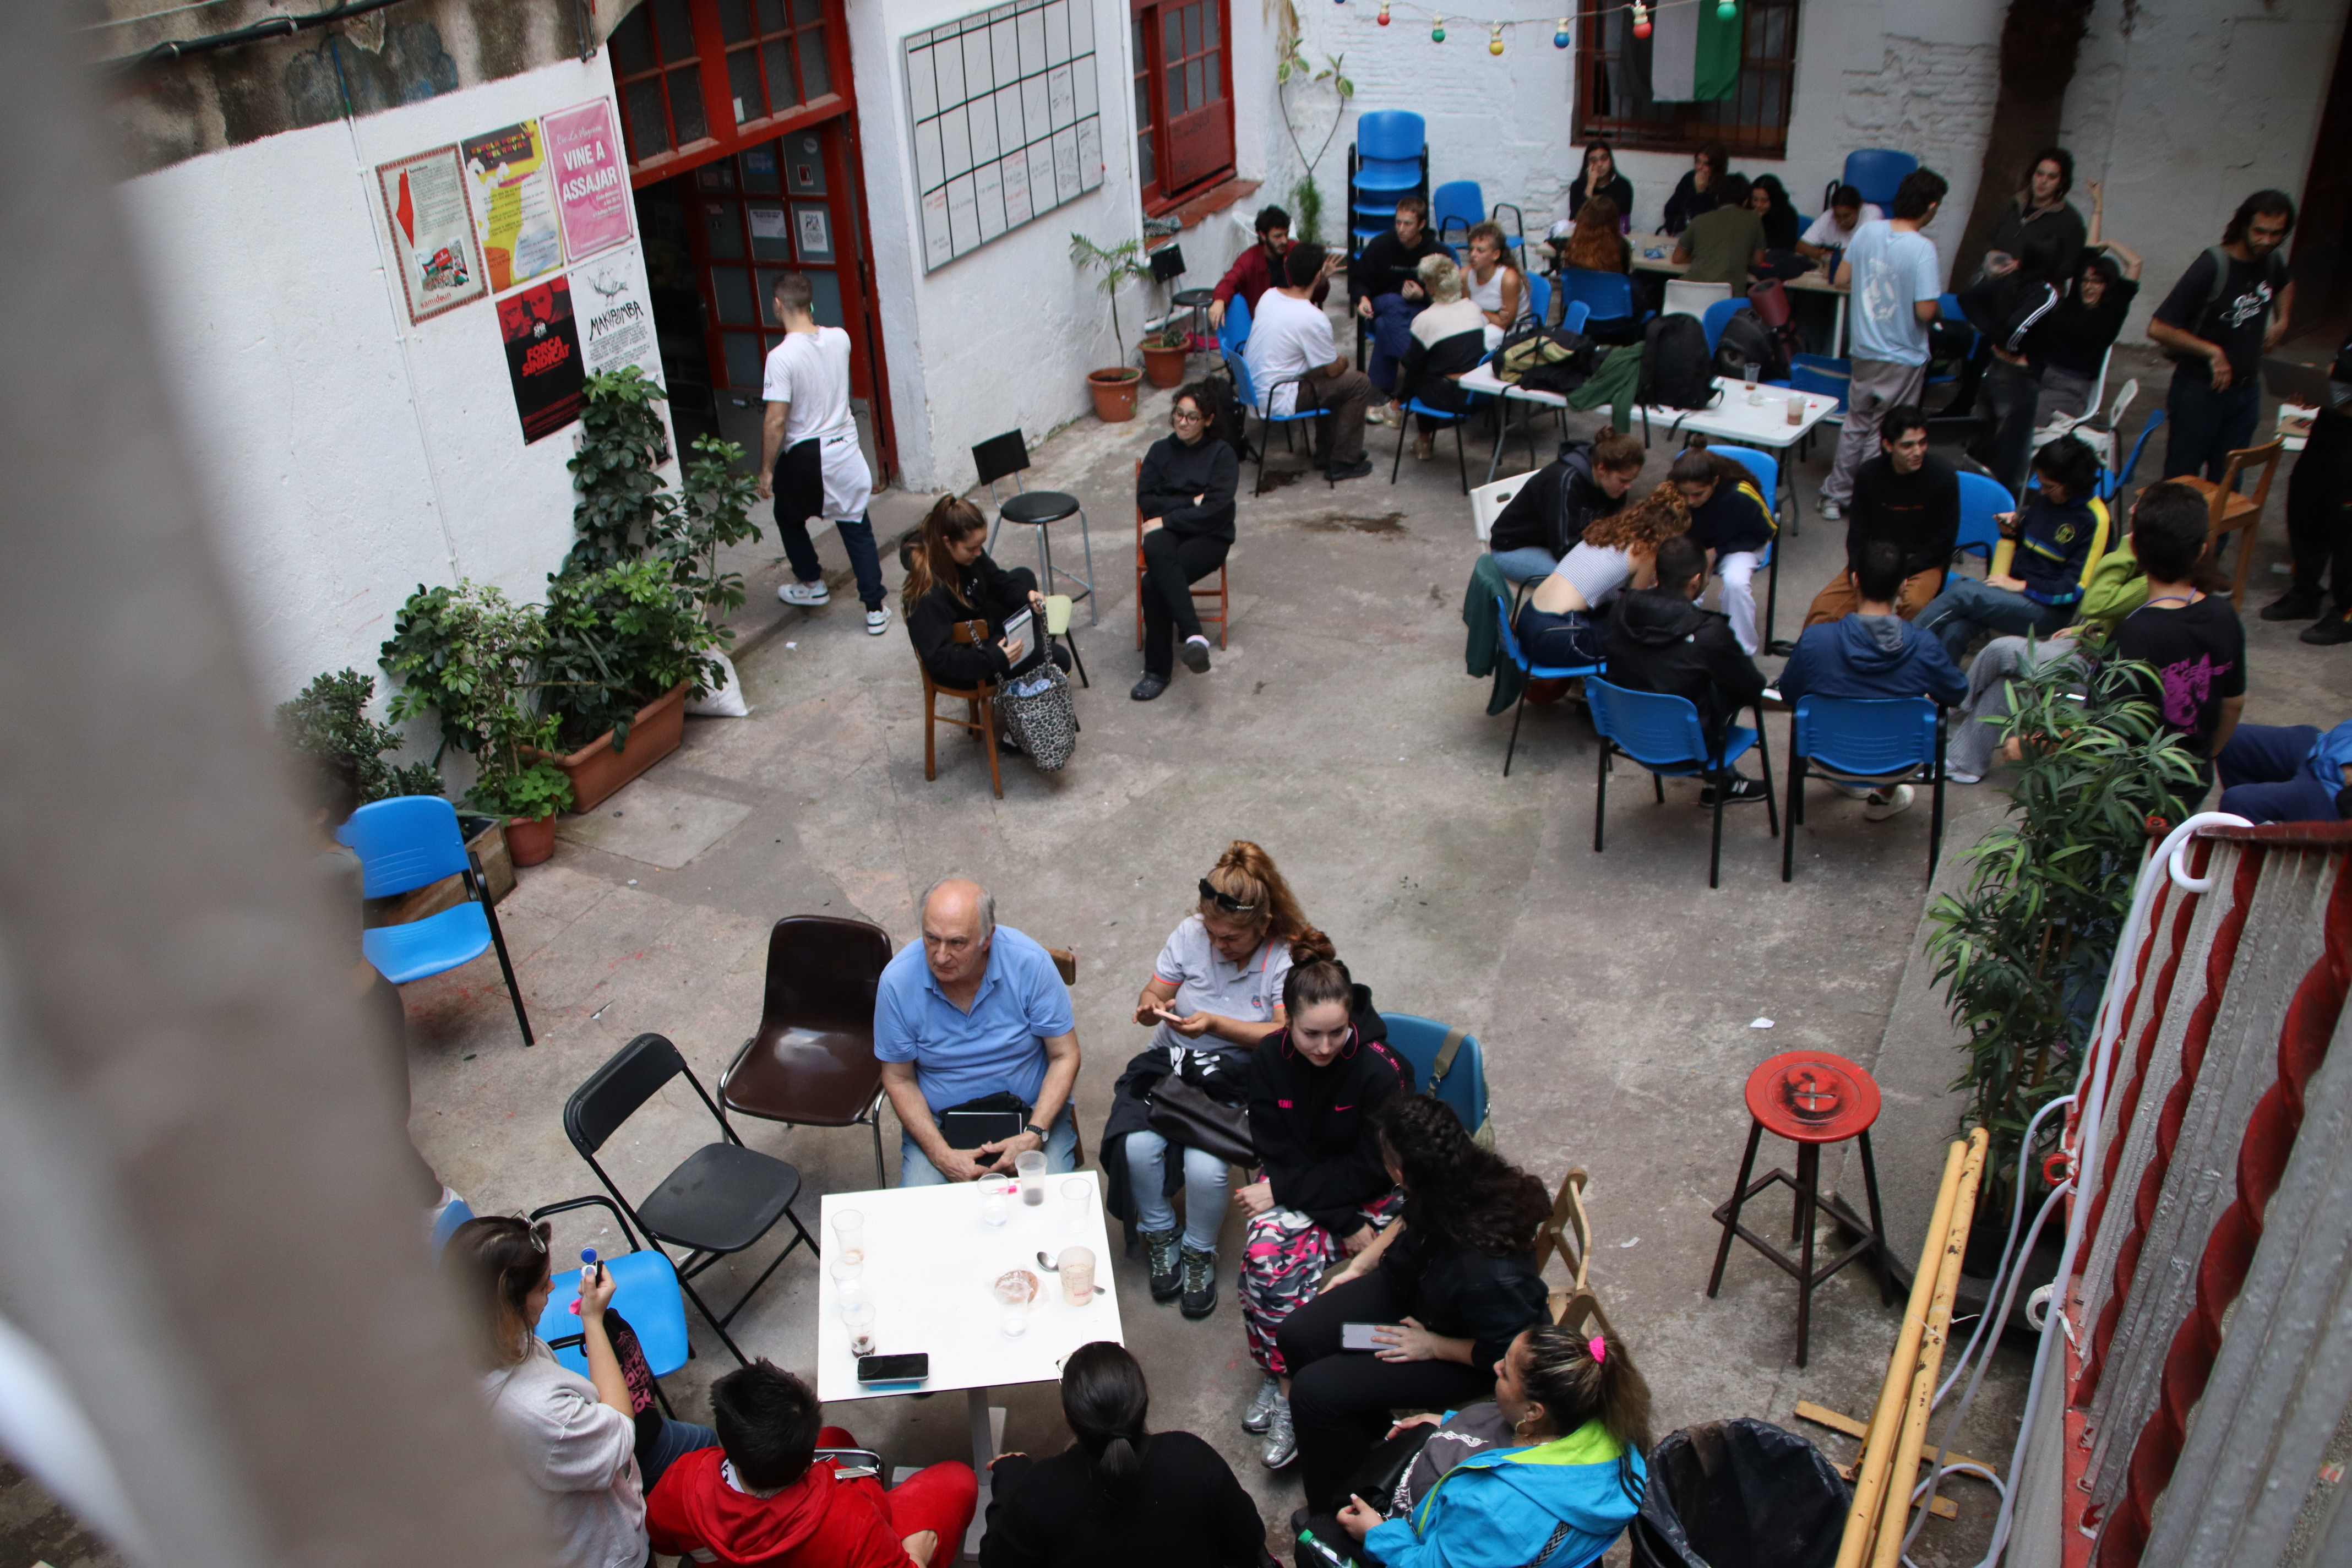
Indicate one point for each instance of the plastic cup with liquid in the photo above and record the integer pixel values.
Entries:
(995, 1201)
(1030, 1166)
(848, 1281)
(849, 1235)
(1748, 371)
(1796, 408)
(1075, 1268)
(857, 1317)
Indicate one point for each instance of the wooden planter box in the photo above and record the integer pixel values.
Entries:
(487, 837)
(597, 772)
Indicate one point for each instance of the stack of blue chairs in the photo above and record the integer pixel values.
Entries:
(1389, 163)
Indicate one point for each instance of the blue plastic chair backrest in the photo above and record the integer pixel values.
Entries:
(404, 843)
(1653, 728)
(1391, 133)
(455, 1214)
(1866, 736)
(1238, 368)
(1875, 172)
(2113, 485)
(1539, 295)
(1607, 295)
(1716, 314)
(1510, 637)
(1417, 1041)
(1234, 332)
(1763, 465)
(1456, 201)
(1820, 375)
(1577, 313)
(1982, 498)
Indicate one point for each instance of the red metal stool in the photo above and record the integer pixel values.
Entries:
(1810, 1098)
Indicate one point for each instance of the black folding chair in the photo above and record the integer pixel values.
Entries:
(723, 1199)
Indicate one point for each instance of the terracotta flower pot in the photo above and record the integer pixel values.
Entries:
(596, 771)
(1114, 391)
(531, 841)
(1164, 366)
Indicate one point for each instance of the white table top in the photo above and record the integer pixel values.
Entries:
(930, 1266)
(1735, 419)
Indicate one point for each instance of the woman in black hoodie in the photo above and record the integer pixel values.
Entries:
(1324, 1191)
(1185, 494)
(950, 580)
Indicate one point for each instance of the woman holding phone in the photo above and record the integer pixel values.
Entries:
(1214, 993)
(950, 580)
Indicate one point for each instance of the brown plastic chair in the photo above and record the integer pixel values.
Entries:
(811, 1063)
(1222, 593)
(979, 702)
(2230, 512)
(1574, 1303)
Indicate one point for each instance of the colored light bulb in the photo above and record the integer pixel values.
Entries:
(1495, 44)
(1641, 20)
(1384, 13)
(1726, 10)
(1560, 37)
(1437, 33)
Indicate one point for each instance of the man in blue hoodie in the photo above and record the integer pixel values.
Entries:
(1874, 653)
(2054, 531)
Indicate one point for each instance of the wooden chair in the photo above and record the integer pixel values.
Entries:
(1222, 593)
(2231, 511)
(978, 702)
(1574, 1303)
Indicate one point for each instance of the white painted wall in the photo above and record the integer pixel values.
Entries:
(346, 456)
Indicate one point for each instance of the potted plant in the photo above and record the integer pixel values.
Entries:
(1293, 66)
(1164, 352)
(623, 646)
(1115, 386)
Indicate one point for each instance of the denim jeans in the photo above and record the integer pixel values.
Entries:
(1528, 564)
(1392, 335)
(678, 1439)
(1972, 732)
(1968, 607)
(2205, 425)
(857, 538)
(2266, 775)
(1206, 1178)
(916, 1170)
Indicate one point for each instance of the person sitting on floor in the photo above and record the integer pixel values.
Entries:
(950, 580)
(2287, 773)
(1184, 493)
(762, 1499)
(1909, 497)
(1258, 269)
(2054, 531)
(1547, 1475)
(1660, 640)
(1384, 287)
(1720, 245)
(1597, 243)
(1560, 624)
(1120, 1493)
(1444, 344)
(1542, 523)
(1732, 522)
(1873, 653)
(1828, 235)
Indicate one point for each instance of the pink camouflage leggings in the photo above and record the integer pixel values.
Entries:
(1284, 1256)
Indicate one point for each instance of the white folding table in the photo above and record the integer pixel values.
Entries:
(1812, 282)
(1744, 424)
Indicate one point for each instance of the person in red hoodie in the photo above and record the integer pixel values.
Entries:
(763, 1500)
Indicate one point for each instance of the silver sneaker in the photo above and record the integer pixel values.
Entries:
(1281, 1442)
(1261, 1407)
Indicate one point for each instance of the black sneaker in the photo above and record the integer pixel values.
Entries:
(1355, 470)
(1160, 1247)
(1741, 789)
(2295, 606)
(1195, 655)
(1200, 1283)
(1149, 687)
(2335, 628)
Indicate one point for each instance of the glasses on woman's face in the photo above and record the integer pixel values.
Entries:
(1188, 417)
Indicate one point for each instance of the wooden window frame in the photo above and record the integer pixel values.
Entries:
(1752, 123)
(1150, 77)
(711, 50)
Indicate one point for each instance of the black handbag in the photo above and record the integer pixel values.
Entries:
(1182, 1112)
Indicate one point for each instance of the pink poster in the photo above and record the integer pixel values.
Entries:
(591, 177)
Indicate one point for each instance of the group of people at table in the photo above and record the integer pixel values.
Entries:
(1519, 1440)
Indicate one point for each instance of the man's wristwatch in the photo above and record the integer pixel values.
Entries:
(1043, 1136)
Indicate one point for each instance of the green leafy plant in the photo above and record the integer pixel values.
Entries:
(537, 791)
(469, 657)
(1119, 265)
(328, 718)
(714, 512)
(1293, 68)
(625, 504)
(2023, 951)
(615, 639)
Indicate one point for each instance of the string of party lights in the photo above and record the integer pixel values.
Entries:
(1563, 29)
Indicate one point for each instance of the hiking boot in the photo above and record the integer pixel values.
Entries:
(1741, 790)
(1261, 1407)
(1281, 1442)
(1200, 1283)
(2336, 629)
(1195, 654)
(1879, 809)
(1160, 1247)
(805, 593)
(2295, 606)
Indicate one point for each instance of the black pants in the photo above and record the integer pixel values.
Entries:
(2010, 394)
(2207, 425)
(1170, 566)
(2319, 510)
(1341, 1401)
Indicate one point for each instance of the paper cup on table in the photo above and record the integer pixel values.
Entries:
(1796, 408)
(1075, 1268)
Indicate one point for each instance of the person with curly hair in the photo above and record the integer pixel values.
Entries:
(1449, 1285)
(1560, 622)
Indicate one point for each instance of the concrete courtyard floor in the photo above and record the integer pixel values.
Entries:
(1619, 1000)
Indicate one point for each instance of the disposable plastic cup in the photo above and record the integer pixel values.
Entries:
(849, 1235)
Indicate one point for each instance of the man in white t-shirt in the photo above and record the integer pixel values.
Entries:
(1896, 286)
(1834, 230)
(1291, 337)
(809, 454)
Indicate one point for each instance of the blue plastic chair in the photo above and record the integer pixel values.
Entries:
(1875, 172)
(2111, 485)
(1822, 375)
(1454, 417)
(407, 843)
(1396, 134)
(1238, 368)
(1662, 735)
(1529, 672)
(1574, 315)
(1539, 295)
(1982, 499)
(1715, 315)
(1878, 742)
(1456, 201)
(645, 1289)
(1767, 470)
(1232, 336)
(1606, 296)
(1420, 1042)
(456, 1212)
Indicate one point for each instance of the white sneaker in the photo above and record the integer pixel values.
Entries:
(1878, 810)
(805, 593)
(1957, 776)
(1281, 1441)
(1829, 510)
(1261, 1407)
(877, 621)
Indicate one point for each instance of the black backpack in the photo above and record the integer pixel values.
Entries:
(1227, 412)
(1546, 358)
(1747, 341)
(1676, 370)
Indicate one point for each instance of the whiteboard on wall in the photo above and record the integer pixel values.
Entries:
(1007, 120)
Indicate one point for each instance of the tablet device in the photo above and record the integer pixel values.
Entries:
(970, 1129)
(2309, 384)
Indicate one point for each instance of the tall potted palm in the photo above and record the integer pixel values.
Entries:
(1115, 387)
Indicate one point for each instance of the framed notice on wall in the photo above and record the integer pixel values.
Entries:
(1007, 120)
(591, 177)
(431, 229)
(514, 206)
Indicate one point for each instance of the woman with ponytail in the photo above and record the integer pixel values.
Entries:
(1121, 1493)
(1216, 992)
(1547, 1475)
(950, 580)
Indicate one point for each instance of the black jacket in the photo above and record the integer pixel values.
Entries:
(1426, 370)
(1619, 190)
(1659, 641)
(989, 592)
(1918, 511)
(1173, 473)
(2061, 227)
(1466, 1295)
(1553, 508)
(1687, 202)
(1386, 261)
(1312, 1126)
(1733, 519)
(1187, 1512)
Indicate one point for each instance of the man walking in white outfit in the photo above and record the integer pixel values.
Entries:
(809, 457)
(1896, 285)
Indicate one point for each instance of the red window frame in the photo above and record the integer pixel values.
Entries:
(680, 58)
(1184, 146)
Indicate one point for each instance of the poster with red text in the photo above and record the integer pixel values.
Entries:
(591, 177)
(431, 231)
(543, 357)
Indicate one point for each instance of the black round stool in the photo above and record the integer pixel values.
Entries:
(1198, 301)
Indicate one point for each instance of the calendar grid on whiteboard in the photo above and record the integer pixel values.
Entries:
(1007, 123)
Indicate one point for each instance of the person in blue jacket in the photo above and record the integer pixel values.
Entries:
(2287, 773)
(2054, 531)
(1559, 1486)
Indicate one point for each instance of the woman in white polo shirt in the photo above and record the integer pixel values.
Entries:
(1214, 993)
